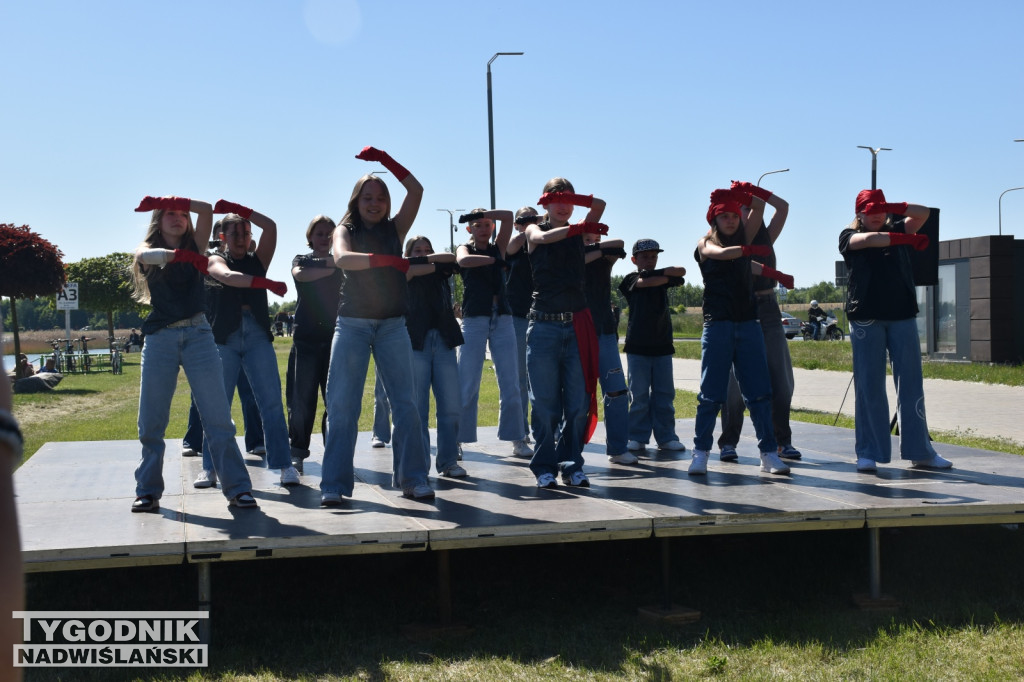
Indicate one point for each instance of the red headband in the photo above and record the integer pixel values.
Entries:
(870, 196)
(716, 210)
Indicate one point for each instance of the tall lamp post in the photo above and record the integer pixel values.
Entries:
(783, 170)
(874, 162)
(490, 117)
(1012, 189)
(451, 223)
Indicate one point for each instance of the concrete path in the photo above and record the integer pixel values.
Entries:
(987, 410)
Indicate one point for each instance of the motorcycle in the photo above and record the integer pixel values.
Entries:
(830, 329)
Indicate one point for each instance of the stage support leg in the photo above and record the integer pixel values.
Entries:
(875, 600)
(666, 612)
(444, 587)
(204, 600)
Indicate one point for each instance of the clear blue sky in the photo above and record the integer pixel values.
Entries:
(649, 105)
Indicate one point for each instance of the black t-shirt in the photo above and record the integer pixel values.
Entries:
(376, 293)
(728, 289)
(226, 302)
(558, 275)
(519, 282)
(599, 293)
(316, 311)
(649, 330)
(763, 238)
(482, 284)
(430, 307)
(176, 293)
(881, 281)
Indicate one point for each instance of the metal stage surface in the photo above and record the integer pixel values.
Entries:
(74, 500)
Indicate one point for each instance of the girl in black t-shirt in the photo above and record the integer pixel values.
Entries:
(881, 303)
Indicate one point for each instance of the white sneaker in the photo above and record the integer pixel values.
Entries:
(420, 491)
(521, 449)
(634, 445)
(289, 476)
(547, 481)
(699, 463)
(205, 479)
(866, 465)
(936, 462)
(454, 471)
(672, 445)
(772, 464)
(376, 442)
(625, 458)
(576, 478)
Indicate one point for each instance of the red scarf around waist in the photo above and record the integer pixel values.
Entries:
(586, 341)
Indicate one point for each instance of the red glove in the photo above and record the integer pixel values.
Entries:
(165, 203)
(586, 201)
(780, 277)
(756, 250)
(279, 288)
(919, 242)
(198, 260)
(753, 190)
(382, 260)
(374, 154)
(223, 206)
(589, 228)
(727, 196)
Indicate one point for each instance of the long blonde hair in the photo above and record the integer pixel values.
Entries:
(352, 216)
(155, 240)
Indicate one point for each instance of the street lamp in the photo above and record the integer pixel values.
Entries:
(874, 162)
(451, 223)
(1001, 204)
(784, 170)
(490, 117)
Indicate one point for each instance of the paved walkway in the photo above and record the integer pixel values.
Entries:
(986, 410)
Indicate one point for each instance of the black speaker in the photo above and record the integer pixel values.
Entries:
(926, 263)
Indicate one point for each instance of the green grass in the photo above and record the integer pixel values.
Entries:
(775, 606)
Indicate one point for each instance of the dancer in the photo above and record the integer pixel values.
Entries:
(368, 246)
(561, 347)
(317, 286)
(168, 276)
(487, 323)
(239, 316)
(435, 334)
(731, 336)
(601, 257)
(881, 303)
(780, 366)
(649, 349)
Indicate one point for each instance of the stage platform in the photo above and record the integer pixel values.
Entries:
(74, 502)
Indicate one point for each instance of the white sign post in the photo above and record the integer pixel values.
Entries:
(67, 300)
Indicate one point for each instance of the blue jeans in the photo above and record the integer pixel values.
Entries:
(381, 410)
(479, 331)
(616, 407)
(248, 349)
(871, 339)
(738, 345)
(192, 348)
(250, 419)
(652, 392)
(520, 325)
(307, 374)
(436, 367)
(354, 339)
(558, 397)
(780, 372)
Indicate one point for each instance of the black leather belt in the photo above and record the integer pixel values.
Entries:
(549, 317)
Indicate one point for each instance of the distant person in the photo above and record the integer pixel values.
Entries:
(881, 303)
(168, 276)
(23, 368)
(649, 349)
(134, 343)
(814, 318)
(50, 366)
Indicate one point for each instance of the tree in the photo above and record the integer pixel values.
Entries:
(30, 266)
(105, 285)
